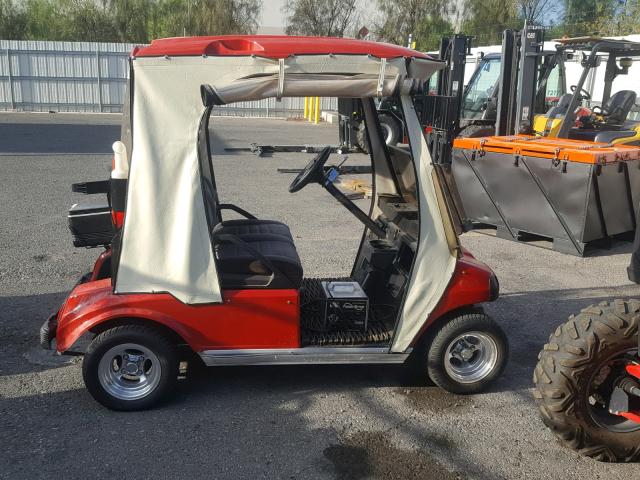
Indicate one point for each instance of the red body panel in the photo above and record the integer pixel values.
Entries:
(633, 416)
(117, 218)
(104, 257)
(470, 285)
(633, 370)
(271, 46)
(245, 319)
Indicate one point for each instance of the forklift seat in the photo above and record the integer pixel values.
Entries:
(618, 107)
(561, 108)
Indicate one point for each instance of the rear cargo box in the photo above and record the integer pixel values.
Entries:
(91, 224)
(569, 191)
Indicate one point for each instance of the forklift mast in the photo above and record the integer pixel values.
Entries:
(522, 52)
(440, 113)
(454, 51)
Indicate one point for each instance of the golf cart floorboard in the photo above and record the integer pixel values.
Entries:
(313, 332)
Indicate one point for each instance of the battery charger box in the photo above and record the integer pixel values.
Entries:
(346, 305)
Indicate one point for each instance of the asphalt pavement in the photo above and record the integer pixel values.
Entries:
(346, 422)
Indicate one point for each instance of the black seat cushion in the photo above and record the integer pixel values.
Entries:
(583, 134)
(253, 260)
(246, 226)
(618, 106)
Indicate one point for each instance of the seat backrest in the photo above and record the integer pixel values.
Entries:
(562, 106)
(618, 106)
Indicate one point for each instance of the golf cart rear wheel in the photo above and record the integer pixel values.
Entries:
(576, 373)
(467, 353)
(131, 367)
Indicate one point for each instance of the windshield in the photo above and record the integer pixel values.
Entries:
(480, 88)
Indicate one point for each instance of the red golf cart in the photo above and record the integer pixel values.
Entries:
(177, 277)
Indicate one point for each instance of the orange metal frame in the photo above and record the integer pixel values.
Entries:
(552, 148)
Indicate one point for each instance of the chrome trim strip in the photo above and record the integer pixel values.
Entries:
(90, 214)
(305, 355)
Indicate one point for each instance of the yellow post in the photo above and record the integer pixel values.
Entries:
(317, 111)
(310, 116)
(306, 107)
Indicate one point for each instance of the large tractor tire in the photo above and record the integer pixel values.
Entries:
(391, 132)
(361, 138)
(575, 376)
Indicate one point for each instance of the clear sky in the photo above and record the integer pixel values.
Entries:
(272, 13)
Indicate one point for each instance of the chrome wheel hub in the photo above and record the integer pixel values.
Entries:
(470, 357)
(129, 371)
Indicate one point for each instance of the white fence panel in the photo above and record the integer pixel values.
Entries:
(62, 76)
(91, 77)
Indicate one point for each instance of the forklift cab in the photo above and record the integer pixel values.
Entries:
(507, 89)
(479, 100)
(185, 280)
(608, 122)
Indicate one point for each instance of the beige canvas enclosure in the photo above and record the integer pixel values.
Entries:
(166, 246)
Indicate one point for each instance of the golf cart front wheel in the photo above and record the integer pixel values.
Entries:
(467, 353)
(130, 367)
(576, 374)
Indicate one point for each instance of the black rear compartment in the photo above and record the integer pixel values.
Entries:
(91, 225)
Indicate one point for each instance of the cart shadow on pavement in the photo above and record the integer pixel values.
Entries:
(240, 424)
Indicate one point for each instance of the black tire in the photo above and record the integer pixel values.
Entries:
(576, 351)
(361, 138)
(162, 347)
(477, 131)
(434, 353)
(391, 129)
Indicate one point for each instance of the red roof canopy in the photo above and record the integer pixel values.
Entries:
(271, 46)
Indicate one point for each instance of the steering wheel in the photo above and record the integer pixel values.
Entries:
(583, 93)
(313, 172)
(598, 110)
